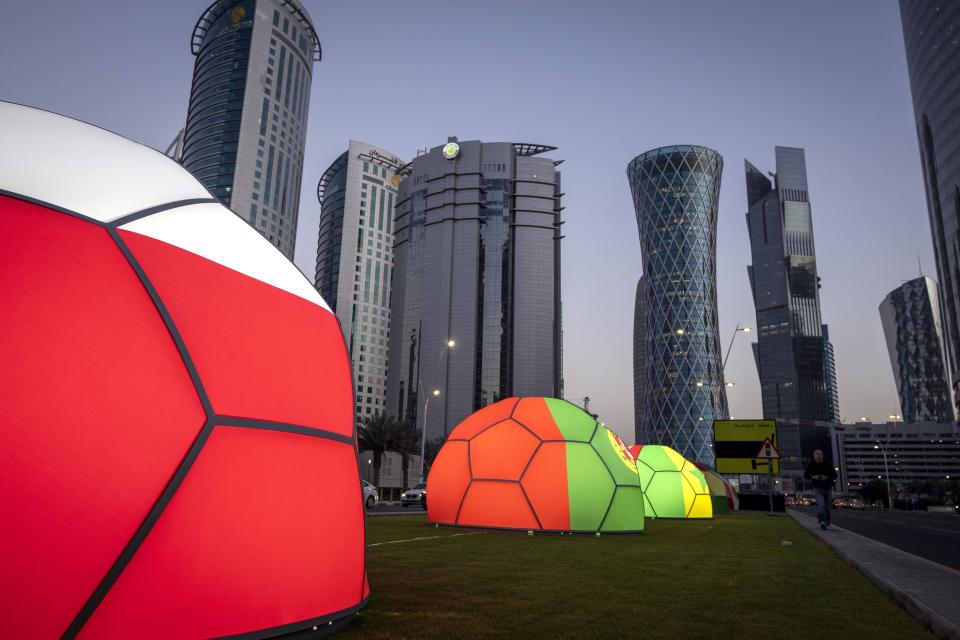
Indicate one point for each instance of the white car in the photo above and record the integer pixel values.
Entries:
(370, 494)
(414, 496)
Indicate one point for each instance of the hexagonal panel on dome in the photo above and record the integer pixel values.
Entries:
(645, 472)
(448, 481)
(535, 415)
(591, 487)
(502, 452)
(617, 457)
(574, 423)
(626, 511)
(480, 420)
(545, 483)
(661, 458)
(666, 494)
(695, 477)
(512, 509)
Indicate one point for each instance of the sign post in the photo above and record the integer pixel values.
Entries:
(745, 447)
(769, 453)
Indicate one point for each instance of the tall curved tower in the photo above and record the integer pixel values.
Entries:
(680, 386)
(247, 119)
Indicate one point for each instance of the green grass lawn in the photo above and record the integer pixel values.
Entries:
(724, 578)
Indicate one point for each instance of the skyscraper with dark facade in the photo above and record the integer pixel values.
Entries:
(639, 351)
(354, 258)
(476, 261)
(933, 61)
(247, 119)
(912, 326)
(797, 381)
(678, 381)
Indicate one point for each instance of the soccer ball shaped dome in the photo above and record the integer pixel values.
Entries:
(673, 487)
(535, 464)
(178, 454)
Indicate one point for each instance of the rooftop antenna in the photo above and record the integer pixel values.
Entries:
(919, 264)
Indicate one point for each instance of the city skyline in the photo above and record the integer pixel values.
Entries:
(885, 198)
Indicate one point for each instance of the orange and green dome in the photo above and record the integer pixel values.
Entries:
(535, 464)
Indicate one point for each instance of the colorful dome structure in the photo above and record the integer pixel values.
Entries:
(179, 455)
(535, 464)
(722, 493)
(673, 487)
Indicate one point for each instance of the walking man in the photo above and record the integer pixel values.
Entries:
(822, 475)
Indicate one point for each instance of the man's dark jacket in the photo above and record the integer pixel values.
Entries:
(821, 469)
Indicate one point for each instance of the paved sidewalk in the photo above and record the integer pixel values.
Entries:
(929, 591)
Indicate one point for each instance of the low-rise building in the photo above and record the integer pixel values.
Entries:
(906, 453)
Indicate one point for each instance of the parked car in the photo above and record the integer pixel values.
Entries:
(370, 494)
(856, 503)
(415, 495)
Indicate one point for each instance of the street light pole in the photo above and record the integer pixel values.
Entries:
(449, 344)
(723, 369)
(886, 470)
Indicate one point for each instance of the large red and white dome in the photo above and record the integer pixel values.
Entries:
(178, 454)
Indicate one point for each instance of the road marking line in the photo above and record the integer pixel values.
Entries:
(956, 533)
(454, 535)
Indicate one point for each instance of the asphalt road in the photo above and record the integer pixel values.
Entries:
(382, 509)
(933, 536)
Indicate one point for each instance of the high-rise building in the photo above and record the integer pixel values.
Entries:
(797, 380)
(933, 61)
(357, 194)
(680, 384)
(247, 119)
(911, 319)
(476, 262)
(830, 375)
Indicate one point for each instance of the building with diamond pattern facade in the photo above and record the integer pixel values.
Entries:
(794, 362)
(912, 326)
(678, 385)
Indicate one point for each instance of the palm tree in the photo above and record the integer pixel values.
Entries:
(377, 434)
(432, 449)
(406, 442)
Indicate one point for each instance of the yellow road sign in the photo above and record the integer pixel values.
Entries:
(736, 443)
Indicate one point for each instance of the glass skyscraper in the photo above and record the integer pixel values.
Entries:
(912, 326)
(678, 380)
(357, 194)
(794, 361)
(247, 117)
(476, 261)
(933, 60)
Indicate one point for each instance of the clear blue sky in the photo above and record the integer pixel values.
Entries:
(603, 81)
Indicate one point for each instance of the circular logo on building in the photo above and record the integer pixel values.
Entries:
(451, 150)
(237, 14)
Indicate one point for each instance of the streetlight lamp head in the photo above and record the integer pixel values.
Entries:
(746, 329)
(680, 332)
(731, 383)
(451, 343)
(436, 392)
(876, 446)
(699, 383)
